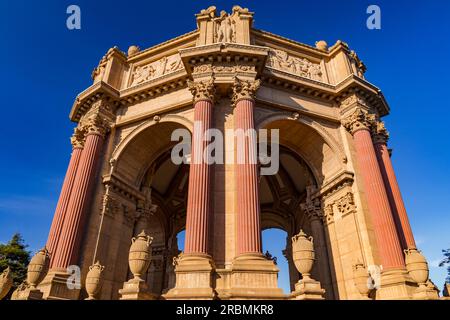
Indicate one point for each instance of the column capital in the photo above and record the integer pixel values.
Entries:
(312, 207)
(78, 138)
(360, 119)
(202, 90)
(244, 89)
(96, 123)
(380, 133)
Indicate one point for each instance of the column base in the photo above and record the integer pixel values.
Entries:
(308, 289)
(254, 277)
(136, 289)
(54, 286)
(26, 292)
(193, 278)
(396, 284)
(426, 292)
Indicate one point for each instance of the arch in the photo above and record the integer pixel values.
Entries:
(144, 144)
(321, 151)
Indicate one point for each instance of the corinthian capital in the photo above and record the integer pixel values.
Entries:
(312, 207)
(202, 90)
(360, 119)
(96, 124)
(244, 89)
(78, 138)
(380, 133)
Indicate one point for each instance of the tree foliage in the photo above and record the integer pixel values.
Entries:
(446, 262)
(15, 255)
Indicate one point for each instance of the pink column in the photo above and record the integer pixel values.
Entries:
(385, 232)
(394, 195)
(67, 251)
(61, 207)
(248, 211)
(198, 206)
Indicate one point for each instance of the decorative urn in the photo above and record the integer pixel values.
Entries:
(361, 279)
(417, 266)
(38, 267)
(6, 282)
(132, 50)
(140, 255)
(303, 253)
(94, 280)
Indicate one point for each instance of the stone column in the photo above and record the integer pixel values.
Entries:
(60, 211)
(198, 206)
(313, 210)
(359, 124)
(381, 136)
(253, 275)
(248, 211)
(67, 251)
(194, 267)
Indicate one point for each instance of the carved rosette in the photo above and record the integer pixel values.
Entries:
(78, 138)
(360, 119)
(244, 89)
(202, 90)
(379, 133)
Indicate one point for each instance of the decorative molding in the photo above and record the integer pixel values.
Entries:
(312, 206)
(346, 204)
(244, 89)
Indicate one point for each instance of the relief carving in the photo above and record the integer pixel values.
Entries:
(346, 204)
(360, 119)
(156, 69)
(281, 60)
(225, 28)
(202, 90)
(244, 89)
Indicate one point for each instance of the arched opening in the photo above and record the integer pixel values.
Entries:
(274, 242)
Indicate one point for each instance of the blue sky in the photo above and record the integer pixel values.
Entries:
(44, 65)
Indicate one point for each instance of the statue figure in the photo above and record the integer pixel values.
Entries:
(225, 28)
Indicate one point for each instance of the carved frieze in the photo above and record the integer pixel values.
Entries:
(281, 60)
(225, 67)
(156, 69)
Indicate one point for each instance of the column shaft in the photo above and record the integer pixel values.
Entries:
(385, 232)
(198, 206)
(395, 197)
(68, 247)
(63, 201)
(248, 211)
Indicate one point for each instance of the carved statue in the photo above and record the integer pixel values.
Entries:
(226, 29)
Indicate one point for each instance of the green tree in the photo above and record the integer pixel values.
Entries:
(15, 255)
(446, 261)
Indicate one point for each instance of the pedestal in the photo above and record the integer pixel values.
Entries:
(254, 277)
(136, 289)
(193, 278)
(308, 289)
(396, 284)
(55, 286)
(26, 292)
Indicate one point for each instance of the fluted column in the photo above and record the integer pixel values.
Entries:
(359, 124)
(63, 201)
(67, 251)
(198, 206)
(393, 191)
(248, 211)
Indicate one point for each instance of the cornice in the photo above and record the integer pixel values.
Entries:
(120, 186)
(334, 184)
